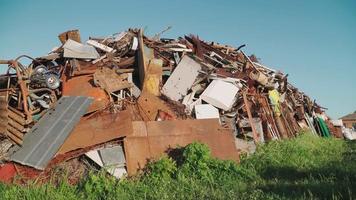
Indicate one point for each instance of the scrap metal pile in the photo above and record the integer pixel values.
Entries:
(124, 99)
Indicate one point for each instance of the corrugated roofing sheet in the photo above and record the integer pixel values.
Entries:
(47, 136)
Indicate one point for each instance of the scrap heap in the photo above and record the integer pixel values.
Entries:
(127, 98)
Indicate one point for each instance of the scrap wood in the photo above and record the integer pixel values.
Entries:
(72, 34)
(110, 81)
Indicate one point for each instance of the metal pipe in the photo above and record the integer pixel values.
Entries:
(23, 88)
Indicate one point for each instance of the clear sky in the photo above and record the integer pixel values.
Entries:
(313, 41)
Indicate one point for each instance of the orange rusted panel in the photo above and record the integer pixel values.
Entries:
(98, 129)
(176, 127)
(150, 105)
(84, 86)
(165, 135)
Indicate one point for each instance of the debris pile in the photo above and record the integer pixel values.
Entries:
(121, 100)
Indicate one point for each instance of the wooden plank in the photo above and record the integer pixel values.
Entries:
(14, 138)
(71, 34)
(16, 125)
(15, 132)
(3, 115)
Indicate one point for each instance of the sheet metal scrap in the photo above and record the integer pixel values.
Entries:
(83, 86)
(152, 139)
(98, 129)
(46, 137)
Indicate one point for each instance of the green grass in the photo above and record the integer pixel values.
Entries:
(307, 167)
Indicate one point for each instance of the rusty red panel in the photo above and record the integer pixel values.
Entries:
(139, 149)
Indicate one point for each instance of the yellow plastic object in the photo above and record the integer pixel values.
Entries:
(274, 97)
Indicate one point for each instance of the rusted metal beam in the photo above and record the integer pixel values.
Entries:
(24, 89)
(248, 110)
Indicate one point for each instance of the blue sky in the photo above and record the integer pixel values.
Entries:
(313, 41)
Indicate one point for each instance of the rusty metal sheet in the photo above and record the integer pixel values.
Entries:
(98, 129)
(139, 128)
(84, 86)
(149, 105)
(175, 127)
(140, 149)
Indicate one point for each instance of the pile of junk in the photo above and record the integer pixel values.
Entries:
(119, 101)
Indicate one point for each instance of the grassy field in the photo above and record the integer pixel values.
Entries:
(307, 167)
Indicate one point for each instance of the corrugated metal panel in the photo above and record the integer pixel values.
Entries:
(47, 136)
